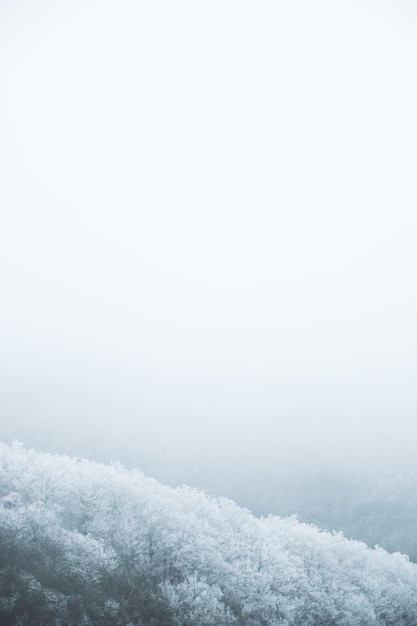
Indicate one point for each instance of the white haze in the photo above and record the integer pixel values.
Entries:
(208, 216)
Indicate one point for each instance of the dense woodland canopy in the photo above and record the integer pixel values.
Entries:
(85, 543)
(365, 489)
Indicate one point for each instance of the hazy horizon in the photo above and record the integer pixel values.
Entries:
(208, 218)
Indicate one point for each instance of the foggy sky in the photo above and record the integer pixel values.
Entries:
(208, 214)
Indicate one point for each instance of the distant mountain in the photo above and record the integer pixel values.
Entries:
(83, 543)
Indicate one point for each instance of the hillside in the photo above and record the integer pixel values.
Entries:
(86, 543)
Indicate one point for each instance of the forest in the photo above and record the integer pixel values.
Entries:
(365, 489)
(87, 543)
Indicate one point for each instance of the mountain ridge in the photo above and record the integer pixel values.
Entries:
(88, 543)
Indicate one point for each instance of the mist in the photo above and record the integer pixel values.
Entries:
(208, 233)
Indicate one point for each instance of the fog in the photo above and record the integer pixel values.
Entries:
(208, 224)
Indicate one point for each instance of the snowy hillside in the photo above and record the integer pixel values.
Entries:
(85, 543)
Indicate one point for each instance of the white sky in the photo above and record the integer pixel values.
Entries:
(208, 211)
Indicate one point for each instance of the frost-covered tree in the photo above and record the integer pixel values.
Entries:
(84, 543)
